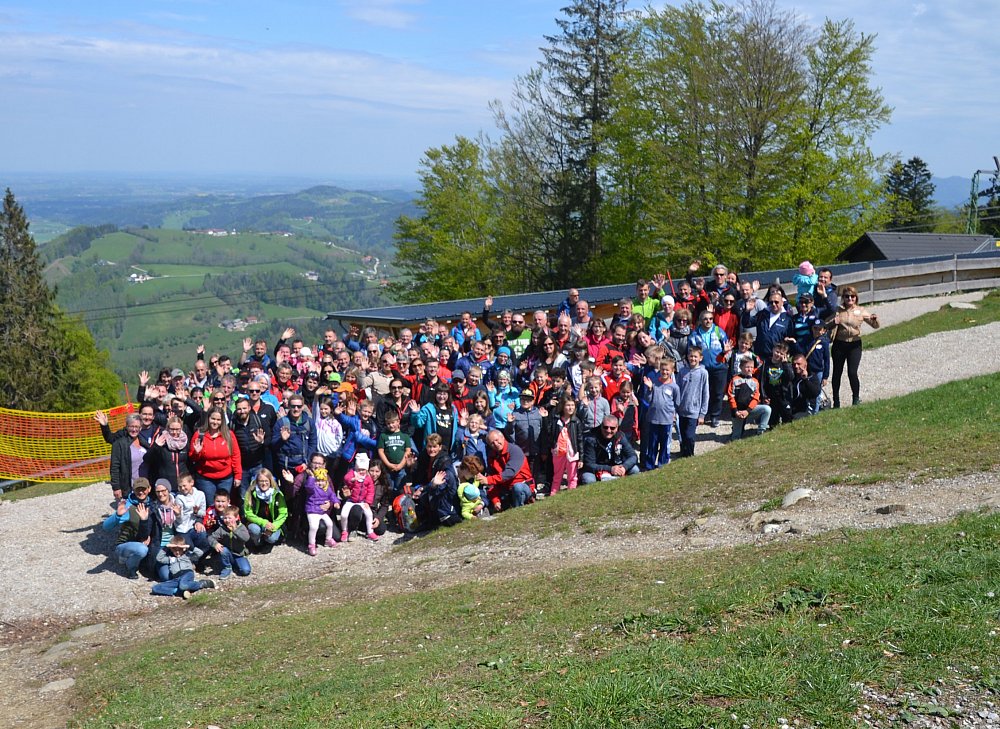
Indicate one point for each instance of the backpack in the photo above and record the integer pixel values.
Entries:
(404, 510)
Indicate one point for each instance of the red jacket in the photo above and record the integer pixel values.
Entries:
(505, 469)
(216, 459)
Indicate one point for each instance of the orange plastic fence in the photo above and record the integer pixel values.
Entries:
(55, 447)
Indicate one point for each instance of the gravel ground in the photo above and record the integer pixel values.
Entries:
(53, 554)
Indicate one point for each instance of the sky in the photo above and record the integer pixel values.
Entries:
(337, 89)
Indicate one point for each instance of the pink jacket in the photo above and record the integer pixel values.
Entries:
(361, 491)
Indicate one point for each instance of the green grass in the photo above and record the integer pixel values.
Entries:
(901, 438)
(942, 320)
(786, 631)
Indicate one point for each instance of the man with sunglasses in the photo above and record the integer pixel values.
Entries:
(773, 324)
(294, 438)
(607, 453)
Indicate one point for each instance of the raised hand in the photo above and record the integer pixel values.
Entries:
(142, 511)
(247, 343)
(101, 417)
(648, 383)
(200, 349)
(288, 333)
(287, 475)
(489, 302)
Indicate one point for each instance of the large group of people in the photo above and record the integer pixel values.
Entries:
(362, 433)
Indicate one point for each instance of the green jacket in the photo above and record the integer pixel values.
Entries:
(258, 512)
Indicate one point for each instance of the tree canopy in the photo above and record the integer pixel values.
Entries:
(48, 361)
(735, 134)
(910, 196)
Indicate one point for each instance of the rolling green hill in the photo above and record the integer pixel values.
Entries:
(150, 296)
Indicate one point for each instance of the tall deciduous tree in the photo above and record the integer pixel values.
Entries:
(909, 196)
(740, 135)
(47, 360)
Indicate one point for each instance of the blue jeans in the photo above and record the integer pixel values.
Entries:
(658, 448)
(176, 585)
(517, 496)
(760, 415)
(234, 563)
(209, 486)
(717, 380)
(588, 477)
(131, 555)
(688, 428)
(257, 535)
(249, 475)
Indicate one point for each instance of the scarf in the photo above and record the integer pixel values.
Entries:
(176, 443)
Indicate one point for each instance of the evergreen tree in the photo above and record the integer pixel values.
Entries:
(47, 361)
(909, 196)
(556, 120)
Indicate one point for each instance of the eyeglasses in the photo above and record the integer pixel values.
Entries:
(850, 296)
(294, 406)
(729, 301)
(775, 301)
(395, 387)
(218, 399)
(609, 427)
(254, 392)
(517, 321)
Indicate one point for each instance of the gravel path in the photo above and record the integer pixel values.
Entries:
(56, 574)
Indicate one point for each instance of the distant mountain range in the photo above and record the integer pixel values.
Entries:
(950, 192)
(363, 219)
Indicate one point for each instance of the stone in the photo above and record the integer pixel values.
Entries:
(891, 509)
(59, 650)
(60, 685)
(795, 496)
(962, 305)
(88, 630)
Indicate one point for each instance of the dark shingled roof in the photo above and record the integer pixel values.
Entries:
(898, 246)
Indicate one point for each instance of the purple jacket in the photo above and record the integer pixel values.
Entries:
(316, 496)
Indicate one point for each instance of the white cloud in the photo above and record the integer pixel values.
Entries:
(382, 13)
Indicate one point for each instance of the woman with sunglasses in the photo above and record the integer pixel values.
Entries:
(847, 342)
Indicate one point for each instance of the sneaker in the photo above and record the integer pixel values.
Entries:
(186, 595)
(265, 548)
(329, 542)
(226, 573)
(345, 537)
(373, 536)
(715, 422)
(131, 575)
(208, 584)
(311, 549)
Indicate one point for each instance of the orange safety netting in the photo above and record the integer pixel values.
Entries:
(59, 447)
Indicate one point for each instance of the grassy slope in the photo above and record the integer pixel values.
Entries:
(945, 319)
(783, 631)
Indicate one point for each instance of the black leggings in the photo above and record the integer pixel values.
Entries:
(849, 352)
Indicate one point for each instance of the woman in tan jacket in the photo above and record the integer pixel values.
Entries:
(847, 342)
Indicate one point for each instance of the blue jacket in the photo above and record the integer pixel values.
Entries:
(712, 344)
(296, 450)
(354, 437)
(694, 391)
(661, 405)
(767, 334)
(424, 422)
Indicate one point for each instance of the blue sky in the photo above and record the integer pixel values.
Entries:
(360, 88)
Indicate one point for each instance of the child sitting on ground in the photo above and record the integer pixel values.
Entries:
(180, 570)
(744, 400)
(231, 542)
(470, 496)
(359, 490)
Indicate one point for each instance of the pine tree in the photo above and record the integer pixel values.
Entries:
(910, 197)
(556, 119)
(47, 360)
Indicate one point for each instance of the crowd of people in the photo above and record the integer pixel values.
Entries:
(361, 433)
